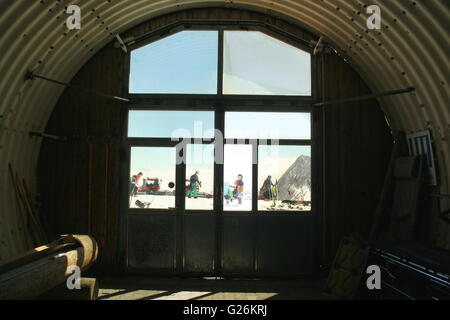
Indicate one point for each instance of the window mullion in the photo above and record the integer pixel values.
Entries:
(220, 64)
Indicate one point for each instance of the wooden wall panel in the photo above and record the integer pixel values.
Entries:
(357, 145)
(64, 166)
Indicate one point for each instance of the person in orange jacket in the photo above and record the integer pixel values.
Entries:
(239, 183)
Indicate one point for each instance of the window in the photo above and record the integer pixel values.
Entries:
(168, 124)
(267, 125)
(254, 88)
(187, 62)
(199, 177)
(284, 178)
(257, 64)
(182, 63)
(237, 177)
(152, 178)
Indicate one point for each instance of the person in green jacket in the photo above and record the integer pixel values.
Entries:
(228, 193)
(194, 185)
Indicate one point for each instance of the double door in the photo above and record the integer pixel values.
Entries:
(186, 216)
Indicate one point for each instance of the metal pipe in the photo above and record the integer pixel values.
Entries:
(366, 97)
(121, 44)
(48, 136)
(318, 46)
(31, 76)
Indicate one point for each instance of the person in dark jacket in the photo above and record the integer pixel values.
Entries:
(194, 185)
(266, 189)
(134, 184)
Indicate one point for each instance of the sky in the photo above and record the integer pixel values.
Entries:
(197, 124)
(255, 63)
(267, 125)
(187, 63)
(165, 124)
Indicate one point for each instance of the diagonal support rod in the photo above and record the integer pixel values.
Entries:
(366, 97)
(31, 76)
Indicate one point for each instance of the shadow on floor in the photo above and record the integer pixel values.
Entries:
(152, 288)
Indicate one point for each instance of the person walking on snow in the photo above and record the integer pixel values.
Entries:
(228, 193)
(135, 180)
(267, 188)
(239, 183)
(194, 185)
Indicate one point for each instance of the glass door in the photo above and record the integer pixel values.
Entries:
(152, 178)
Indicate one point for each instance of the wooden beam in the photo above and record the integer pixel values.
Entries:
(36, 273)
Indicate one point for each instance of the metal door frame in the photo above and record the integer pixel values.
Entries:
(220, 104)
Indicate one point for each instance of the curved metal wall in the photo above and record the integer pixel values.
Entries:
(411, 49)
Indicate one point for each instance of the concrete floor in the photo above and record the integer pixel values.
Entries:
(151, 288)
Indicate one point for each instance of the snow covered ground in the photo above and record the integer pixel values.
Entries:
(156, 201)
(235, 206)
(166, 202)
(265, 205)
(199, 204)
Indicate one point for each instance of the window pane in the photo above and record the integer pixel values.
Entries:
(255, 63)
(267, 125)
(199, 177)
(182, 63)
(237, 189)
(152, 171)
(284, 178)
(167, 124)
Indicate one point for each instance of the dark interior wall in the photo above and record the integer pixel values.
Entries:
(79, 179)
(358, 145)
